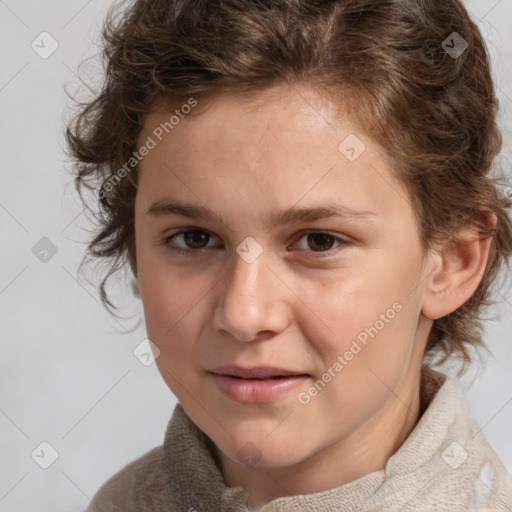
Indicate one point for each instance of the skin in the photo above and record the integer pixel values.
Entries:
(244, 158)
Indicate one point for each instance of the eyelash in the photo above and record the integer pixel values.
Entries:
(319, 254)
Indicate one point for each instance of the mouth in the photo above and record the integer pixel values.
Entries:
(256, 385)
(257, 372)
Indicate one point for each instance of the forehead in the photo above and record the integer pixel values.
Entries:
(278, 110)
(278, 147)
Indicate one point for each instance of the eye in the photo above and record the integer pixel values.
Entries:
(194, 240)
(321, 242)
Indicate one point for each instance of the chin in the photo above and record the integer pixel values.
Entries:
(263, 453)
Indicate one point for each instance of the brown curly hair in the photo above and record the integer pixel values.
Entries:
(433, 111)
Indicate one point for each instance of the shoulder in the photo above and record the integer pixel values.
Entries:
(129, 489)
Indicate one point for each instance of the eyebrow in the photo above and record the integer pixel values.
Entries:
(168, 207)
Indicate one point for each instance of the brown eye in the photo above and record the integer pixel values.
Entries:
(321, 244)
(196, 239)
(321, 241)
(188, 240)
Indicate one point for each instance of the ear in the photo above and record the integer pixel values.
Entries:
(458, 267)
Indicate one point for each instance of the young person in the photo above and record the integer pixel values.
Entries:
(303, 193)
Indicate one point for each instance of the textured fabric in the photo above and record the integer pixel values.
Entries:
(444, 465)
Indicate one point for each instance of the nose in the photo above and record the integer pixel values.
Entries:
(252, 300)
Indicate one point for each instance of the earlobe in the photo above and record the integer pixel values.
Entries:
(458, 267)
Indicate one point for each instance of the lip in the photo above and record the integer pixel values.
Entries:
(254, 372)
(256, 385)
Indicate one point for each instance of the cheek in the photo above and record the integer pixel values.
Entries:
(172, 323)
(361, 309)
(166, 299)
(167, 291)
(174, 304)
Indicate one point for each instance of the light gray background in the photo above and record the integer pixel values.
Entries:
(68, 373)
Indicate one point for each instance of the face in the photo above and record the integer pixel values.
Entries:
(280, 270)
